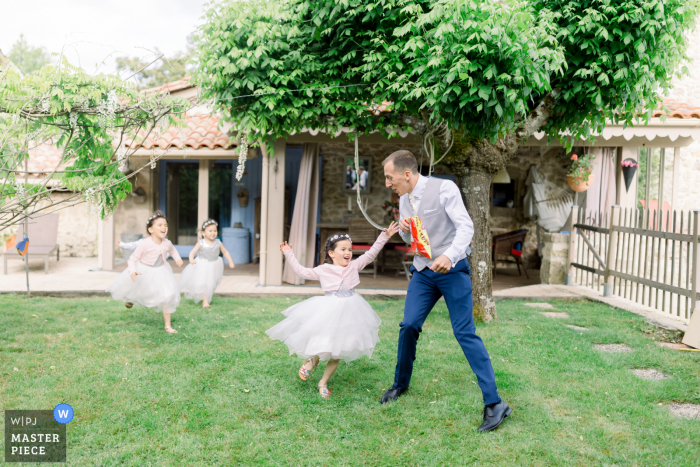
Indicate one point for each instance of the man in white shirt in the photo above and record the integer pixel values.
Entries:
(439, 205)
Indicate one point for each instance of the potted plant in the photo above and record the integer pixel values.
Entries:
(391, 208)
(579, 176)
(9, 240)
(629, 168)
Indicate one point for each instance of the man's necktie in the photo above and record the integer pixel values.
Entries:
(412, 202)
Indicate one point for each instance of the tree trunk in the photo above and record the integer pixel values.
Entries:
(475, 185)
(474, 163)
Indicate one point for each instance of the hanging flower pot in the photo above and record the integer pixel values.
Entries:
(579, 176)
(10, 242)
(577, 182)
(629, 168)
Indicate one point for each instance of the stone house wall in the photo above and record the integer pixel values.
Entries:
(334, 200)
(687, 89)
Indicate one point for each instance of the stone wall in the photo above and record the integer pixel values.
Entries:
(687, 89)
(77, 229)
(132, 213)
(334, 200)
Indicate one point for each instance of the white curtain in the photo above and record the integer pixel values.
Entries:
(601, 195)
(302, 234)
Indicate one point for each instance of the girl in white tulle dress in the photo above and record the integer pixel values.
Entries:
(340, 324)
(203, 275)
(149, 280)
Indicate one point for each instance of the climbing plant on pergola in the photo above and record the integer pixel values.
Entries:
(478, 77)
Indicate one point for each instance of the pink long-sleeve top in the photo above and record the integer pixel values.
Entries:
(330, 275)
(148, 251)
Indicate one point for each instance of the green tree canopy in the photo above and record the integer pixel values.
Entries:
(27, 58)
(481, 66)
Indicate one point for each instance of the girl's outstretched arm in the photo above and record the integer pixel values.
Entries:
(299, 270)
(227, 255)
(372, 253)
(173, 252)
(194, 252)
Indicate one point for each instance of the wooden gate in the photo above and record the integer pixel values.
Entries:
(638, 254)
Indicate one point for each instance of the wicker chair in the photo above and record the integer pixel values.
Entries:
(363, 235)
(504, 245)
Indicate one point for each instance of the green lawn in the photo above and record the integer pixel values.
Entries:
(222, 393)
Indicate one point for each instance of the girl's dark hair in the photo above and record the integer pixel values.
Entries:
(332, 242)
(156, 215)
(206, 224)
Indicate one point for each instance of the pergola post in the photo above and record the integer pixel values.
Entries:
(203, 192)
(272, 214)
(106, 244)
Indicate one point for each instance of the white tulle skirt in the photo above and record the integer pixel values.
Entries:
(156, 287)
(330, 327)
(201, 278)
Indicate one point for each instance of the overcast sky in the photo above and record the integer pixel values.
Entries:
(93, 31)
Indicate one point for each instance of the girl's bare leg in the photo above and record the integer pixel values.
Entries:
(331, 366)
(166, 317)
(205, 302)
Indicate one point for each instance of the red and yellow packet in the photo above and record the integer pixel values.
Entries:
(420, 243)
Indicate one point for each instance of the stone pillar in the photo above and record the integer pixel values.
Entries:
(107, 244)
(203, 192)
(554, 258)
(273, 198)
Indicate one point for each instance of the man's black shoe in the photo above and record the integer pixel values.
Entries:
(494, 416)
(392, 394)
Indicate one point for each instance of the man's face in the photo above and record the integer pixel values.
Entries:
(397, 181)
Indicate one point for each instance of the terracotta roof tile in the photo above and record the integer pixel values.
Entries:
(43, 159)
(202, 131)
(676, 109)
(173, 86)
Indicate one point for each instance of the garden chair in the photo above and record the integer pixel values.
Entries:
(363, 235)
(406, 261)
(509, 244)
(43, 236)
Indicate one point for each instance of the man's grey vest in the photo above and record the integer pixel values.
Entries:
(441, 230)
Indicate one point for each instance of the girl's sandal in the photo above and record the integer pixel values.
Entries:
(170, 330)
(324, 391)
(303, 372)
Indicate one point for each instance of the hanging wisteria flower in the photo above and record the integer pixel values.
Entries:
(242, 155)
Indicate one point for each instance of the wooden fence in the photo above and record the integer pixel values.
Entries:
(639, 255)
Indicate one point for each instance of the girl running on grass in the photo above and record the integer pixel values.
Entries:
(340, 324)
(203, 275)
(149, 280)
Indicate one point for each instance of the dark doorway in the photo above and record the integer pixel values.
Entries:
(181, 201)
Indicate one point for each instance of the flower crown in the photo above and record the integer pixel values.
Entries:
(208, 223)
(337, 236)
(154, 216)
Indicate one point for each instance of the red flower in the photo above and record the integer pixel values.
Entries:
(574, 157)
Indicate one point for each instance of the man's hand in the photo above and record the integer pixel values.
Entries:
(442, 264)
(404, 225)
